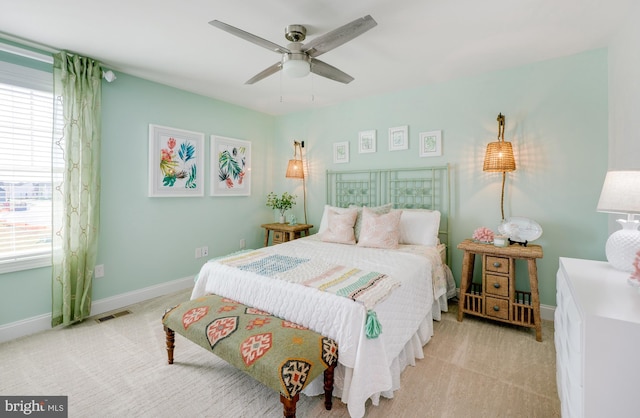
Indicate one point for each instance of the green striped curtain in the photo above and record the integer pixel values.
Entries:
(76, 186)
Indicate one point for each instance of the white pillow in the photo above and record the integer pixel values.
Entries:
(340, 228)
(324, 222)
(380, 230)
(419, 226)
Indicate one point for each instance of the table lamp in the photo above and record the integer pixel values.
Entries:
(621, 194)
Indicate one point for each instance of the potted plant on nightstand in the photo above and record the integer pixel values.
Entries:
(282, 203)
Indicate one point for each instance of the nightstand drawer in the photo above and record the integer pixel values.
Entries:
(497, 285)
(497, 308)
(497, 264)
(279, 237)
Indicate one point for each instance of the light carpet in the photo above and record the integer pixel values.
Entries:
(118, 368)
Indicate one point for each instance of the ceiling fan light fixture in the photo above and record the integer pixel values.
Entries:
(296, 66)
(296, 59)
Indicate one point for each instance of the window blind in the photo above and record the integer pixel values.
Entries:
(26, 132)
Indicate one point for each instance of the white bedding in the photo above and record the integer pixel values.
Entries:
(367, 367)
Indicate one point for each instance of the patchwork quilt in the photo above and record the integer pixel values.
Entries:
(366, 287)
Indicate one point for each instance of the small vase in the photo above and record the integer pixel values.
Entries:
(282, 220)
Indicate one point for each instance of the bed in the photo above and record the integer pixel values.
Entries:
(417, 281)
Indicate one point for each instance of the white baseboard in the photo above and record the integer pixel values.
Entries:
(125, 299)
(42, 322)
(24, 327)
(547, 312)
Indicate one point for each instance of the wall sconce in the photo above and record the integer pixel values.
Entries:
(621, 194)
(295, 170)
(499, 158)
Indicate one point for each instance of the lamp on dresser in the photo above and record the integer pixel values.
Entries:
(621, 194)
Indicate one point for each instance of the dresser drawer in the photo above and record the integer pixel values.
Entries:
(497, 264)
(497, 308)
(497, 285)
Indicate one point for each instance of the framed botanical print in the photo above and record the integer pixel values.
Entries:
(398, 138)
(340, 152)
(230, 167)
(431, 144)
(367, 141)
(176, 162)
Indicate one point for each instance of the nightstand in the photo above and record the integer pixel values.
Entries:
(496, 297)
(284, 232)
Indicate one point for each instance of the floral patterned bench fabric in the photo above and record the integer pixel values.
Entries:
(280, 354)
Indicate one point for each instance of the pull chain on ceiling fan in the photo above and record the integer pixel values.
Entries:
(299, 59)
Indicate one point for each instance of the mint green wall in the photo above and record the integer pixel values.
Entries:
(556, 118)
(147, 241)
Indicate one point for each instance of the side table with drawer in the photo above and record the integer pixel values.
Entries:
(284, 232)
(496, 297)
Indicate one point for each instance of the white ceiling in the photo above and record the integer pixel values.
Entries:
(416, 42)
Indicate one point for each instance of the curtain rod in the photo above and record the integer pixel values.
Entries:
(38, 56)
(26, 53)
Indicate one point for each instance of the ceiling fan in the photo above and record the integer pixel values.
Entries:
(299, 59)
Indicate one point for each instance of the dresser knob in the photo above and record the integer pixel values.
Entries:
(496, 285)
(496, 308)
(496, 264)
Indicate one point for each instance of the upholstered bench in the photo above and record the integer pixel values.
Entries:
(280, 354)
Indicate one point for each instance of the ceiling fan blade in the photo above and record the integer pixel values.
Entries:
(337, 37)
(329, 71)
(265, 73)
(249, 37)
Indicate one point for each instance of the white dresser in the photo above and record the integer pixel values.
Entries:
(597, 338)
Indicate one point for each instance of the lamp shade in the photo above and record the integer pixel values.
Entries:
(294, 170)
(499, 157)
(620, 192)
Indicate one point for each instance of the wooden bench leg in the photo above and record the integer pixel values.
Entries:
(328, 387)
(171, 339)
(289, 405)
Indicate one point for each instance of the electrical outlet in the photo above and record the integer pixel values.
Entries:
(243, 244)
(198, 252)
(98, 271)
(205, 251)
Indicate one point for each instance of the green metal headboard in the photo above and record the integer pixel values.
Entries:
(404, 188)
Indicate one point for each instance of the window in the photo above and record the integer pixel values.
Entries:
(26, 132)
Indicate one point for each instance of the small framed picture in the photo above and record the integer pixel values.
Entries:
(366, 141)
(230, 167)
(398, 138)
(340, 152)
(176, 162)
(431, 144)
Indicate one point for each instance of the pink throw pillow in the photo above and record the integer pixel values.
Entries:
(340, 227)
(380, 230)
